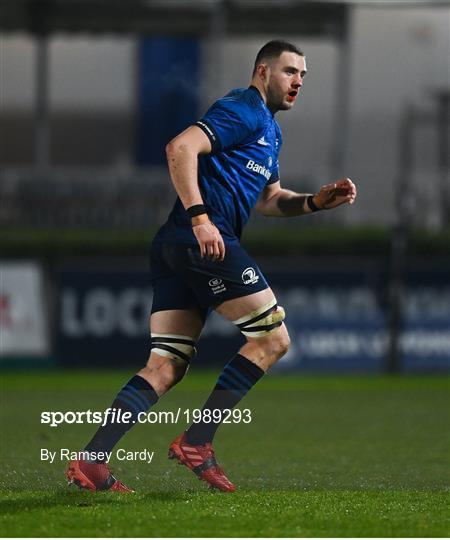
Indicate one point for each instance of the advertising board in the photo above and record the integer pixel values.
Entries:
(337, 319)
(23, 310)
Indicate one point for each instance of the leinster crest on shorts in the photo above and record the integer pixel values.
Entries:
(249, 276)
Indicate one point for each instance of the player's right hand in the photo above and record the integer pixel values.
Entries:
(210, 241)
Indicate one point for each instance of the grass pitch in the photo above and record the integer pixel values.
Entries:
(323, 456)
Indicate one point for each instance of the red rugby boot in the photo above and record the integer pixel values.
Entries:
(200, 459)
(94, 477)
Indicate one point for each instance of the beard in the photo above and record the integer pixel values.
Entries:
(276, 99)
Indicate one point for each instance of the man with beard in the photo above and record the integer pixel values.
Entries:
(221, 167)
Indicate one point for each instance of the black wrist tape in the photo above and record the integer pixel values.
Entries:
(196, 210)
(311, 205)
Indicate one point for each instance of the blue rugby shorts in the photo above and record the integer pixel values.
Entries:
(181, 279)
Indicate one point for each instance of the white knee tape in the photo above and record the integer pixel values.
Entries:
(262, 321)
(181, 348)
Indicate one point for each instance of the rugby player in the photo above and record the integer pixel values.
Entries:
(221, 167)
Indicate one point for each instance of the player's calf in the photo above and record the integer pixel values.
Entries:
(267, 341)
(163, 373)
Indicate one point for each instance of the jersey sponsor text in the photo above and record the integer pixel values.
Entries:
(260, 169)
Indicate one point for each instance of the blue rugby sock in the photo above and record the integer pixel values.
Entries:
(236, 379)
(135, 397)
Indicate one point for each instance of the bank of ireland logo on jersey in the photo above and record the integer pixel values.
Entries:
(217, 285)
(249, 276)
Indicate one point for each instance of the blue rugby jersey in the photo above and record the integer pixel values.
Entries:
(245, 141)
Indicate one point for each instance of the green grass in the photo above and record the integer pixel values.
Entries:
(323, 456)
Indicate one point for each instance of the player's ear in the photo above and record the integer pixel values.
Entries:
(262, 71)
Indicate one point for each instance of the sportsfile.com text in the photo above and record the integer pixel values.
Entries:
(227, 416)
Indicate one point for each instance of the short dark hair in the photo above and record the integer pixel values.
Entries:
(273, 49)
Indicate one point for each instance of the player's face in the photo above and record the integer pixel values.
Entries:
(284, 80)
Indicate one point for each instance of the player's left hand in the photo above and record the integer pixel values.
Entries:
(332, 195)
